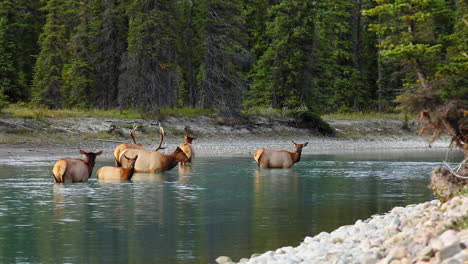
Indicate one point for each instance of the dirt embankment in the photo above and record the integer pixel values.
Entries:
(216, 135)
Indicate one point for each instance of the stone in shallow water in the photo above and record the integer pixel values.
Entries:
(223, 260)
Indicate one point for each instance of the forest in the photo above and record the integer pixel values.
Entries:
(231, 55)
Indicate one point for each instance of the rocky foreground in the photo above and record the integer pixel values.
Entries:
(430, 232)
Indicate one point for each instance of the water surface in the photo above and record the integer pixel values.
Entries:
(221, 206)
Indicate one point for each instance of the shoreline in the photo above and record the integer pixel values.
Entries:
(381, 239)
(418, 233)
(233, 146)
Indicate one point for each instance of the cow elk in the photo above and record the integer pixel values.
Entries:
(154, 161)
(187, 148)
(120, 148)
(267, 158)
(118, 173)
(75, 170)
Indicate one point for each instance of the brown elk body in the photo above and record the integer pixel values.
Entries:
(267, 158)
(188, 149)
(75, 170)
(153, 161)
(122, 147)
(118, 173)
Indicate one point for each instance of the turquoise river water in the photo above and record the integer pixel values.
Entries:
(220, 206)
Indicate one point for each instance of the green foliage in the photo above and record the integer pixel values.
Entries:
(151, 55)
(279, 74)
(29, 111)
(187, 111)
(3, 101)
(415, 34)
(308, 119)
(48, 81)
(361, 115)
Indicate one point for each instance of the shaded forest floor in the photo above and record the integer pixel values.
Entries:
(217, 136)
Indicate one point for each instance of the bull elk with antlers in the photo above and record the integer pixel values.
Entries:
(267, 158)
(153, 161)
(120, 148)
(75, 170)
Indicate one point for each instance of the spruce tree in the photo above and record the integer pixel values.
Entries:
(221, 76)
(53, 42)
(282, 74)
(148, 75)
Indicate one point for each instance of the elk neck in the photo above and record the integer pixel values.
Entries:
(128, 172)
(170, 161)
(90, 163)
(297, 155)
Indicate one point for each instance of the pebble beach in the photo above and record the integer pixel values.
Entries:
(422, 233)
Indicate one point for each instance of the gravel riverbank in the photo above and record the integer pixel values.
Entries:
(422, 233)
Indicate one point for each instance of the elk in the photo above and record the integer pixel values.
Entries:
(267, 158)
(120, 148)
(187, 148)
(75, 170)
(118, 173)
(154, 161)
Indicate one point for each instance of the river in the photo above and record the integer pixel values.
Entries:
(220, 206)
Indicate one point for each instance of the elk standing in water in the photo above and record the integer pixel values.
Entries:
(118, 173)
(154, 161)
(75, 170)
(187, 148)
(266, 158)
(120, 148)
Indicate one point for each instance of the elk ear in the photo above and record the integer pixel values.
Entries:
(98, 153)
(136, 157)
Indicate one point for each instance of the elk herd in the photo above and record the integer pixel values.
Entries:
(130, 158)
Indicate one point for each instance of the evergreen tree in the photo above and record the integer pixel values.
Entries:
(53, 55)
(109, 44)
(191, 23)
(414, 33)
(282, 74)
(452, 76)
(221, 75)
(21, 24)
(8, 77)
(148, 76)
(78, 73)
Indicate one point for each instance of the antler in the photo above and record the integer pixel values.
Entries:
(132, 132)
(293, 142)
(161, 130)
(186, 129)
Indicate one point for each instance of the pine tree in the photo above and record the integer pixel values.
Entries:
(8, 75)
(21, 23)
(53, 42)
(148, 76)
(110, 43)
(221, 75)
(414, 33)
(282, 74)
(79, 72)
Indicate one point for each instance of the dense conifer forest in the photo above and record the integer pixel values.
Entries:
(228, 55)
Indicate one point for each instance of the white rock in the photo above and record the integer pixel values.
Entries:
(449, 237)
(223, 260)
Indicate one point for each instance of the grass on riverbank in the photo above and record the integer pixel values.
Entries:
(22, 111)
(359, 115)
